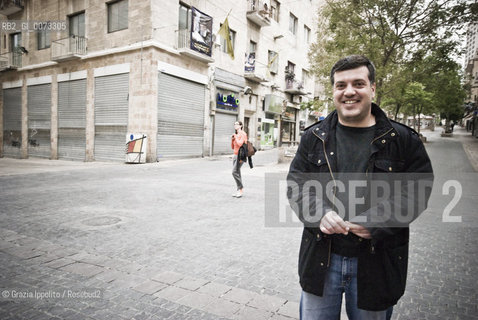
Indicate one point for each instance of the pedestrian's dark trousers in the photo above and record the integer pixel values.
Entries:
(236, 172)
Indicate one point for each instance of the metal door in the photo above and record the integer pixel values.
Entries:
(180, 117)
(223, 130)
(111, 116)
(39, 120)
(72, 120)
(12, 122)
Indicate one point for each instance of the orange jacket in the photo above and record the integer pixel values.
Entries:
(237, 141)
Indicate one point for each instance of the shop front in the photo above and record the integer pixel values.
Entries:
(227, 109)
(227, 105)
(288, 126)
(273, 105)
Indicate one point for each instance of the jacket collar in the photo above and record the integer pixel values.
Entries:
(383, 127)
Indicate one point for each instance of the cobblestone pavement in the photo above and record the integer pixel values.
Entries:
(167, 241)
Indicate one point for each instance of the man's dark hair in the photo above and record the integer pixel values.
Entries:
(352, 62)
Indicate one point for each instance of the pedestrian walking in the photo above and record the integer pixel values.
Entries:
(239, 138)
(346, 254)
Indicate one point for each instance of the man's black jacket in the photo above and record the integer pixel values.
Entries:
(383, 260)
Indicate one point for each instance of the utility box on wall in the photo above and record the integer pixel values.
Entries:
(136, 148)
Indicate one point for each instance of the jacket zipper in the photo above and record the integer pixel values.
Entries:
(335, 188)
(366, 172)
(372, 246)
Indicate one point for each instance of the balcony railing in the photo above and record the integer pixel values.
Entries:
(259, 13)
(294, 87)
(184, 46)
(8, 7)
(69, 48)
(10, 60)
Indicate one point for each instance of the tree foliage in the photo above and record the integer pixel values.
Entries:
(391, 33)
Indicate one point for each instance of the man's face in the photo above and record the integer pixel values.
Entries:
(353, 95)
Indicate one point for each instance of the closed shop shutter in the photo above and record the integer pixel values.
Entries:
(39, 120)
(223, 130)
(12, 122)
(180, 117)
(111, 116)
(72, 119)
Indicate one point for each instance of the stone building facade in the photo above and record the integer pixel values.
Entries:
(471, 62)
(79, 86)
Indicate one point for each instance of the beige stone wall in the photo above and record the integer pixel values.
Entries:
(90, 115)
(143, 84)
(24, 147)
(164, 19)
(54, 117)
(96, 25)
(139, 25)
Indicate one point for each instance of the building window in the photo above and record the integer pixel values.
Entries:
(184, 22)
(252, 46)
(273, 62)
(292, 24)
(232, 34)
(275, 10)
(306, 34)
(118, 16)
(15, 41)
(290, 67)
(77, 25)
(305, 77)
(43, 39)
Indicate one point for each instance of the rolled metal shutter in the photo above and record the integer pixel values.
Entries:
(12, 122)
(180, 117)
(111, 116)
(72, 120)
(223, 130)
(39, 120)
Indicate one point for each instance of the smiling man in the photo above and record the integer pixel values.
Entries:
(341, 252)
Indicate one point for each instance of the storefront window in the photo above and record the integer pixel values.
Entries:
(288, 132)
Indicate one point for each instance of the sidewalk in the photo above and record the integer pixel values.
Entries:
(470, 143)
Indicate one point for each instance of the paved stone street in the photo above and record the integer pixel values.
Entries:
(167, 241)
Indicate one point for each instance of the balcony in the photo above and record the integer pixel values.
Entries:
(259, 13)
(184, 47)
(254, 76)
(73, 47)
(8, 7)
(294, 87)
(251, 69)
(10, 61)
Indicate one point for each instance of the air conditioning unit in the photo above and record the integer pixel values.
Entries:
(136, 147)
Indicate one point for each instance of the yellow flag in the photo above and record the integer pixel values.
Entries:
(225, 34)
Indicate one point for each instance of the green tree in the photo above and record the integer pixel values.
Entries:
(449, 94)
(389, 32)
(418, 101)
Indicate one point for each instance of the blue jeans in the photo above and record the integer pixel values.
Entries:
(340, 278)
